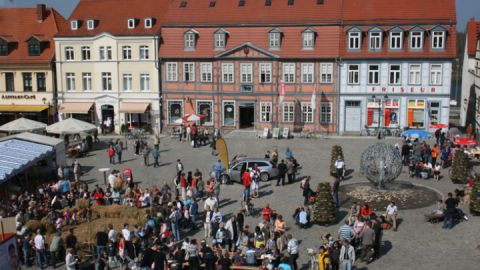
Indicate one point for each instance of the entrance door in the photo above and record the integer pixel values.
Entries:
(108, 114)
(247, 114)
(353, 112)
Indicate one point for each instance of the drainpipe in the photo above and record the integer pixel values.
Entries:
(159, 72)
(338, 62)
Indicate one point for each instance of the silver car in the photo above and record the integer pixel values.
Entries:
(268, 170)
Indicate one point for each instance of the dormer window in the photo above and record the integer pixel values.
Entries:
(438, 39)
(308, 39)
(375, 39)
(131, 23)
(189, 39)
(220, 37)
(74, 24)
(416, 38)
(34, 47)
(91, 24)
(274, 39)
(396, 38)
(354, 39)
(148, 22)
(3, 47)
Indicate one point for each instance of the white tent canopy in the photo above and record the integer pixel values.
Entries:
(22, 125)
(71, 126)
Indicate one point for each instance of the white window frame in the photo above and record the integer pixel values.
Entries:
(148, 23)
(174, 101)
(288, 71)
(69, 53)
(353, 74)
(265, 72)
(308, 72)
(74, 24)
(212, 112)
(229, 102)
(438, 41)
(70, 81)
(131, 23)
(416, 37)
(107, 81)
(220, 40)
(355, 40)
(86, 56)
(127, 81)
(375, 40)
(414, 74)
(308, 39)
(246, 73)
(87, 81)
(144, 82)
(189, 41)
(326, 73)
(307, 112)
(90, 24)
(109, 52)
(144, 52)
(397, 74)
(228, 73)
(171, 71)
(394, 38)
(127, 52)
(265, 112)
(288, 112)
(105, 53)
(326, 114)
(436, 75)
(274, 40)
(206, 72)
(373, 74)
(189, 71)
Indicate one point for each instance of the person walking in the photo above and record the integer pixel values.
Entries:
(39, 243)
(179, 168)
(282, 171)
(292, 249)
(118, 151)
(450, 208)
(340, 168)
(246, 180)
(368, 238)
(218, 169)
(188, 135)
(55, 248)
(290, 171)
(155, 156)
(347, 255)
(207, 222)
(111, 154)
(391, 214)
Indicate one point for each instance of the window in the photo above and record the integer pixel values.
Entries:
(288, 112)
(326, 73)
(85, 53)
(394, 75)
(375, 41)
(354, 40)
(127, 82)
(189, 40)
(307, 112)
(353, 74)
(90, 24)
(265, 111)
(144, 52)
(227, 73)
(3, 48)
(274, 40)
(265, 72)
(414, 74)
(189, 72)
(416, 113)
(434, 112)
(131, 23)
(246, 73)
(219, 40)
(27, 82)
(144, 82)
(416, 40)
(326, 112)
(436, 74)
(148, 22)
(206, 72)
(105, 53)
(127, 52)
(9, 82)
(70, 78)
(175, 110)
(69, 54)
(228, 113)
(74, 25)
(438, 39)
(289, 72)
(373, 74)
(307, 72)
(87, 81)
(308, 39)
(41, 82)
(106, 81)
(205, 108)
(34, 48)
(172, 74)
(391, 112)
(396, 40)
(374, 107)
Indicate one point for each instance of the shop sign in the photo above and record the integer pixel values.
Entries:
(9, 97)
(402, 89)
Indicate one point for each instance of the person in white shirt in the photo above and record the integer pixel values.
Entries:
(292, 249)
(39, 243)
(391, 214)
(340, 167)
(111, 179)
(347, 256)
(436, 172)
(112, 234)
(70, 260)
(211, 202)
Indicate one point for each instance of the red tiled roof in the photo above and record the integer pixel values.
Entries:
(473, 32)
(228, 12)
(111, 17)
(398, 11)
(17, 25)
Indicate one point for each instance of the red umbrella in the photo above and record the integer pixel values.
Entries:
(439, 126)
(193, 117)
(466, 142)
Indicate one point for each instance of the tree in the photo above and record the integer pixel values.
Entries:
(475, 198)
(460, 168)
(335, 153)
(324, 211)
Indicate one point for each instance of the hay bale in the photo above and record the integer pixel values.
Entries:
(32, 225)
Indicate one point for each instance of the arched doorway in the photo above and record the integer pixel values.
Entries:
(108, 116)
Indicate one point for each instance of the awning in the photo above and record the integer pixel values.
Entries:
(76, 107)
(23, 108)
(133, 107)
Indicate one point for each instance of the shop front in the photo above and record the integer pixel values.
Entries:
(36, 107)
(136, 115)
(84, 111)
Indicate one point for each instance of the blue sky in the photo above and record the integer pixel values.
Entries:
(466, 9)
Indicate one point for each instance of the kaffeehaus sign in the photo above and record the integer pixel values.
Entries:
(17, 97)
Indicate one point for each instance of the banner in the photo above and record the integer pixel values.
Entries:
(222, 150)
(281, 91)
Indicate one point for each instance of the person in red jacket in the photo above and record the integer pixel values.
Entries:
(111, 154)
(366, 211)
(266, 212)
(246, 180)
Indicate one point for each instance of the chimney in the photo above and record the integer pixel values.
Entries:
(41, 12)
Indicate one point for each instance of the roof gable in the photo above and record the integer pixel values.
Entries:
(246, 50)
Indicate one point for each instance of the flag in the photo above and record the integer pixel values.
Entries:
(313, 103)
(281, 91)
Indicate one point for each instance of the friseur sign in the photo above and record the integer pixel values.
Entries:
(402, 89)
(18, 97)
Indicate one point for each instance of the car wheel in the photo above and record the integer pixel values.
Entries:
(225, 179)
(264, 176)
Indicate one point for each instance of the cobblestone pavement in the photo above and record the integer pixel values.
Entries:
(416, 245)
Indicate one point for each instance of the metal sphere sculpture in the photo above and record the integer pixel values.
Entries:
(381, 164)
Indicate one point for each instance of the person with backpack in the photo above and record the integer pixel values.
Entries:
(111, 154)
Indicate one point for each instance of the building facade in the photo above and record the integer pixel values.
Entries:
(27, 82)
(107, 64)
(231, 60)
(396, 73)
